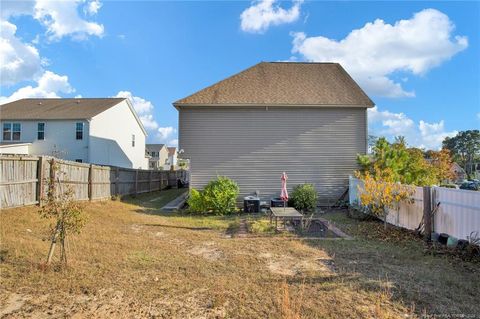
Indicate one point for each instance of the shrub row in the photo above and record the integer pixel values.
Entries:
(220, 195)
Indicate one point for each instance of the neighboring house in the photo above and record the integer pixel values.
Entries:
(158, 156)
(172, 157)
(459, 174)
(308, 119)
(103, 131)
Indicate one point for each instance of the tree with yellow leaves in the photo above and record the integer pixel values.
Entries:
(380, 192)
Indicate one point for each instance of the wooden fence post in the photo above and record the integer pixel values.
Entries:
(90, 181)
(40, 181)
(52, 178)
(117, 181)
(427, 213)
(150, 181)
(136, 181)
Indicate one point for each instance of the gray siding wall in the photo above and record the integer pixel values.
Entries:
(254, 145)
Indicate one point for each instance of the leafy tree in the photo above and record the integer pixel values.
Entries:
(406, 165)
(441, 162)
(465, 147)
(417, 171)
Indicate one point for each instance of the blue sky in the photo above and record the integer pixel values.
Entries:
(418, 61)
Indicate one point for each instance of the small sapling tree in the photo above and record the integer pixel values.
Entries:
(66, 214)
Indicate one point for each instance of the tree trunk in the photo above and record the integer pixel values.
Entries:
(53, 243)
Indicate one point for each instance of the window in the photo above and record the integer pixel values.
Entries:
(41, 131)
(79, 160)
(7, 131)
(12, 131)
(79, 131)
(133, 140)
(16, 131)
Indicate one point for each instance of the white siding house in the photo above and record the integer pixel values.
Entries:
(100, 131)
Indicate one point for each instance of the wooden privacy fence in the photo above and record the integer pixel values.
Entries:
(24, 180)
(457, 214)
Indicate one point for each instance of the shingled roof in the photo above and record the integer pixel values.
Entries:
(284, 83)
(56, 109)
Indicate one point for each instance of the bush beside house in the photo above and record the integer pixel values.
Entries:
(218, 197)
(304, 197)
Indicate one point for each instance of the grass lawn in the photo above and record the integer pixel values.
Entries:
(132, 261)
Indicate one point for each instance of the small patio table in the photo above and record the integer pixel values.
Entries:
(284, 214)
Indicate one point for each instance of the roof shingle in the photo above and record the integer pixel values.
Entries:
(284, 83)
(56, 109)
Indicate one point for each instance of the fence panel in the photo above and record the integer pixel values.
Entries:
(408, 215)
(102, 179)
(126, 181)
(18, 181)
(74, 176)
(459, 212)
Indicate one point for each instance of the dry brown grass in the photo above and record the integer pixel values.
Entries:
(131, 261)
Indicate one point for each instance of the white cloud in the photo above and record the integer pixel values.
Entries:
(265, 13)
(12, 8)
(173, 142)
(375, 52)
(165, 133)
(61, 18)
(19, 61)
(49, 85)
(423, 135)
(92, 7)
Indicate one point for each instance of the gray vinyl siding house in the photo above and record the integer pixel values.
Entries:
(307, 119)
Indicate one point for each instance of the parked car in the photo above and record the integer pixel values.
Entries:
(470, 185)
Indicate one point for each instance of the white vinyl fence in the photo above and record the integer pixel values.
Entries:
(458, 214)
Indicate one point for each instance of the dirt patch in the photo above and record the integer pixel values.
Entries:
(292, 266)
(208, 251)
(13, 303)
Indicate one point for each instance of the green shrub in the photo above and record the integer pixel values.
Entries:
(219, 197)
(196, 203)
(304, 197)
